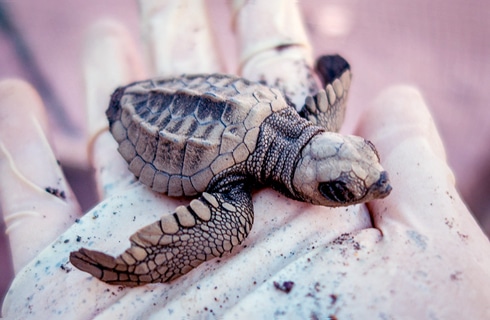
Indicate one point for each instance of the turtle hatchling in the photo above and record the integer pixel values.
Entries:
(215, 137)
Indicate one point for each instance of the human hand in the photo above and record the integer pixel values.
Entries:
(424, 256)
(289, 234)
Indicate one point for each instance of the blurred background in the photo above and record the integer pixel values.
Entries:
(440, 46)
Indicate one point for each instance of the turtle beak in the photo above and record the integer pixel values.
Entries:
(382, 187)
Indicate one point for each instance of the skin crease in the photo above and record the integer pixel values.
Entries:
(420, 243)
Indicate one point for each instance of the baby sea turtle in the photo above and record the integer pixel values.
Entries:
(217, 136)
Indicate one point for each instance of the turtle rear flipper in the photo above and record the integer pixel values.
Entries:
(166, 249)
(327, 107)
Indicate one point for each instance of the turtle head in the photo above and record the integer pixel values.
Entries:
(336, 170)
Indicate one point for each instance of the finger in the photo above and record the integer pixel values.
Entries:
(37, 203)
(178, 38)
(424, 196)
(274, 47)
(110, 60)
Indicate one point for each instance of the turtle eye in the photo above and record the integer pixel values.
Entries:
(336, 191)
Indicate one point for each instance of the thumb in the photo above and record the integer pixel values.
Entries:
(424, 196)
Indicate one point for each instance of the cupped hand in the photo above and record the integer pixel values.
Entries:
(416, 253)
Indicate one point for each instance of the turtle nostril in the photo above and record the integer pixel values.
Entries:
(383, 184)
(383, 178)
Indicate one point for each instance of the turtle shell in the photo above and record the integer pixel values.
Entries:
(178, 133)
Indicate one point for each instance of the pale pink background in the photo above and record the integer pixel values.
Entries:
(441, 46)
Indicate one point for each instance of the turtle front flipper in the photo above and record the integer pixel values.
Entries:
(327, 107)
(166, 249)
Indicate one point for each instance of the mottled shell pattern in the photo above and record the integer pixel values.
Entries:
(178, 133)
